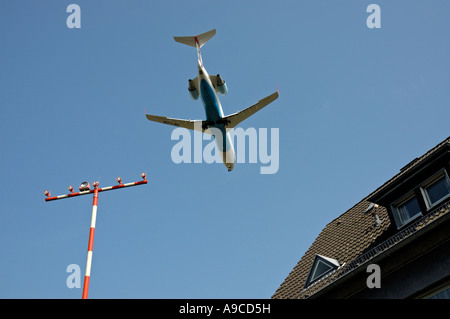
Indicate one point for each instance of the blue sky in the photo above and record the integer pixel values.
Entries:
(356, 105)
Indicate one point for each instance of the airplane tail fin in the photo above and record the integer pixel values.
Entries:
(196, 40)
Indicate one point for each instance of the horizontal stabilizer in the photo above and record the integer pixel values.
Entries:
(236, 118)
(201, 38)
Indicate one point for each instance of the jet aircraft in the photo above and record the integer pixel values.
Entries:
(207, 87)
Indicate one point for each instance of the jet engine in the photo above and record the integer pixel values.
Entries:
(192, 90)
(221, 85)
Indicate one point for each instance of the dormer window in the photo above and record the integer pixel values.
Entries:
(436, 189)
(424, 197)
(321, 266)
(421, 187)
(406, 209)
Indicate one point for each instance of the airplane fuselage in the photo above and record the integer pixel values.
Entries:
(208, 87)
(214, 117)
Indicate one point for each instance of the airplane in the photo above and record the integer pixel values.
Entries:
(207, 87)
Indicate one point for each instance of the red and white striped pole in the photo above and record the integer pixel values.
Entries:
(91, 243)
(95, 191)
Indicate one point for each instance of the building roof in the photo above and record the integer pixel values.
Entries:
(354, 238)
(412, 166)
(343, 239)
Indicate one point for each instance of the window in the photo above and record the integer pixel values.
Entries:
(320, 269)
(426, 195)
(406, 210)
(436, 189)
(444, 294)
(321, 266)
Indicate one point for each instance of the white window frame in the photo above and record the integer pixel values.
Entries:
(423, 188)
(313, 277)
(397, 216)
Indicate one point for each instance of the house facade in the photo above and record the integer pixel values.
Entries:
(395, 243)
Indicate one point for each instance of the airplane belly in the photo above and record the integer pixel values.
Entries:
(210, 101)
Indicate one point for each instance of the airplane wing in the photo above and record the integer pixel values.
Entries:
(236, 118)
(197, 125)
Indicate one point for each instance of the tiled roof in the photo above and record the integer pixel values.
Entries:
(344, 239)
(350, 237)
